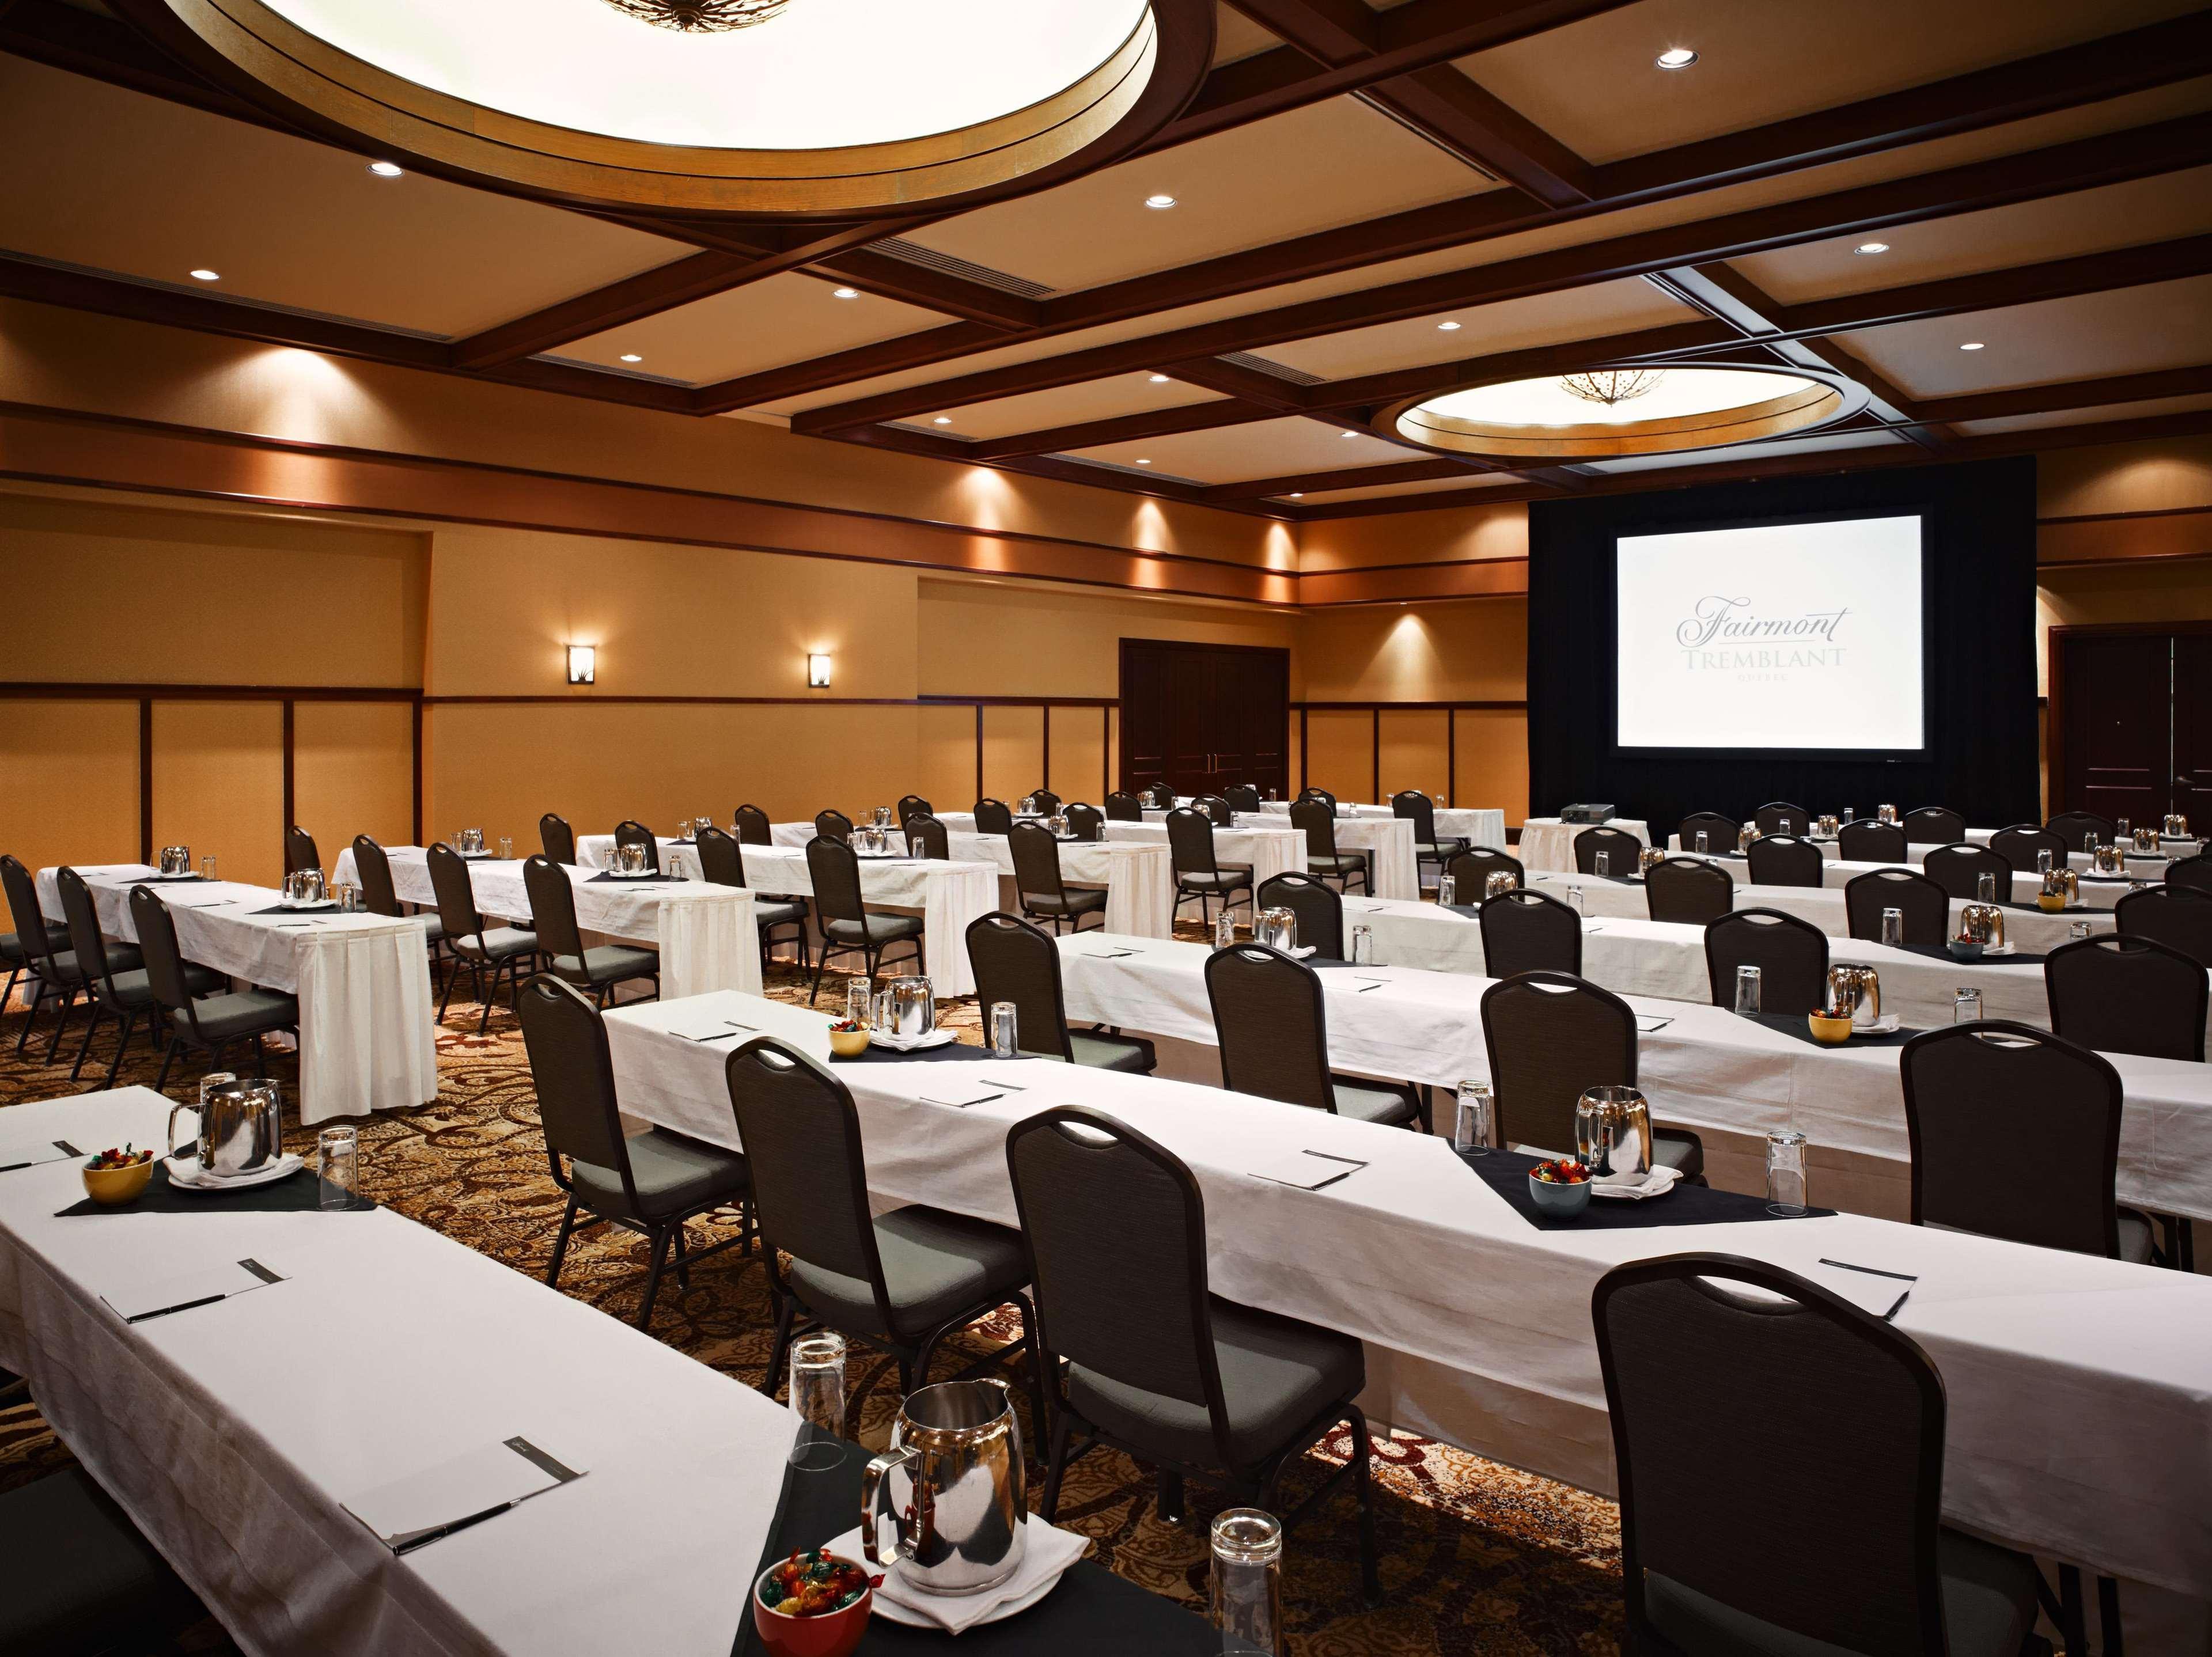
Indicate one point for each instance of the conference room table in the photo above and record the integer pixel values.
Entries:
(2026, 927)
(1699, 1064)
(1269, 850)
(2140, 865)
(1378, 834)
(706, 935)
(1476, 825)
(2060, 1369)
(368, 1034)
(2098, 891)
(1548, 843)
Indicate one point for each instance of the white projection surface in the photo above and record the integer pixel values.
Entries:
(1787, 636)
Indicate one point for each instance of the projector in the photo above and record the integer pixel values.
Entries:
(1585, 813)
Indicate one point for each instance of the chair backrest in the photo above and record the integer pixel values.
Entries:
(802, 1139)
(374, 870)
(1016, 961)
(1780, 818)
(1322, 794)
(1784, 860)
(1046, 800)
(557, 839)
(1122, 806)
(926, 838)
(1551, 1037)
(1688, 890)
(157, 945)
(1870, 842)
(457, 899)
(1418, 809)
(1319, 910)
(1926, 906)
(631, 832)
(1036, 861)
(1791, 955)
(2118, 994)
(1319, 822)
(2072, 827)
(1078, 1176)
(1190, 842)
(834, 869)
(2187, 874)
(1846, 1560)
(81, 915)
(552, 907)
(721, 859)
(1085, 822)
(1216, 810)
(1722, 833)
(2018, 844)
(1242, 797)
(2015, 1134)
(835, 824)
(566, 1040)
(24, 912)
(1959, 870)
(1525, 932)
(1160, 796)
(993, 817)
(300, 850)
(1269, 1025)
(2180, 916)
(1471, 872)
(1623, 851)
(912, 806)
(752, 826)
(1933, 825)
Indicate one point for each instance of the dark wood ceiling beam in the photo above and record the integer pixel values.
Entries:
(1123, 428)
(2063, 395)
(1535, 362)
(1249, 386)
(697, 275)
(889, 277)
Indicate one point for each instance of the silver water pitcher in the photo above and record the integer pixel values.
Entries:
(305, 886)
(1278, 929)
(472, 842)
(1057, 824)
(2177, 825)
(1825, 828)
(240, 1128)
(1885, 813)
(1497, 880)
(1984, 923)
(2109, 860)
(1745, 835)
(2145, 839)
(176, 860)
(1612, 1131)
(2063, 883)
(959, 1527)
(629, 858)
(1854, 991)
(911, 1008)
(1648, 858)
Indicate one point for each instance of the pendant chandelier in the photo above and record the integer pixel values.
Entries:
(1611, 385)
(700, 17)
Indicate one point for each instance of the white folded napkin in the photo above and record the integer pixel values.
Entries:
(1047, 1552)
(1635, 1187)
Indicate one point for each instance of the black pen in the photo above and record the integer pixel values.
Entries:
(181, 1305)
(424, 1538)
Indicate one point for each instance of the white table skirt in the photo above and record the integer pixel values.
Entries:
(2058, 1368)
(1707, 1068)
(1477, 826)
(1270, 852)
(707, 935)
(232, 1434)
(2139, 866)
(367, 1039)
(1547, 843)
(948, 896)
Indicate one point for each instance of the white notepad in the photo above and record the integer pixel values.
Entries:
(1868, 1288)
(1308, 1170)
(971, 1093)
(469, 1488)
(28, 1151)
(180, 1292)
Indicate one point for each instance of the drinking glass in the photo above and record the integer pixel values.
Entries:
(1703, 841)
(1246, 1589)
(2121, 828)
(817, 1399)
(2076, 930)
(1847, 814)
(1447, 890)
(1363, 946)
(1471, 1128)
(883, 1021)
(1003, 1026)
(2042, 860)
(507, 848)
(207, 867)
(1224, 929)
(1892, 926)
(1604, 862)
(1985, 888)
(337, 1166)
(1747, 991)
(860, 1000)
(1574, 901)
(1785, 1174)
(1967, 1006)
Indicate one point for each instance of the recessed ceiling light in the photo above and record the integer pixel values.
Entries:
(207, 276)
(632, 356)
(1160, 379)
(1347, 434)
(1448, 327)
(1143, 463)
(1871, 247)
(1297, 494)
(1676, 57)
(387, 169)
(1972, 345)
(944, 420)
(844, 292)
(1158, 202)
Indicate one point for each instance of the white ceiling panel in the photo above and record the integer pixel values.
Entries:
(1835, 443)
(785, 319)
(1265, 448)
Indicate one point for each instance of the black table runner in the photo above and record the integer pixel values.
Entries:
(298, 1193)
(1940, 952)
(1795, 1024)
(872, 1054)
(1506, 1173)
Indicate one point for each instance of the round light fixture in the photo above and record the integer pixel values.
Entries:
(1972, 345)
(207, 276)
(1676, 57)
(1448, 327)
(1160, 379)
(702, 16)
(1348, 433)
(844, 292)
(632, 356)
(387, 169)
(1871, 247)
(1297, 494)
(1143, 463)
(1158, 202)
(944, 420)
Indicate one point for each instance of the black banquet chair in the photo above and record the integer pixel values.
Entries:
(1018, 963)
(44, 938)
(1428, 846)
(78, 1578)
(1870, 842)
(472, 942)
(1273, 1031)
(834, 869)
(1721, 834)
(2115, 995)
(373, 868)
(1216, 808)
(210, 1024)
(1933, 825)
(1959, 870)
(835, 824)
(1470, 872)
(1322, 794)
(1715, 1561)
(994, 817)
(1623, 852)
(557, 839)
(1313, 903)
(1791, 955)
(2015, 1134)
(1781, 817)
(1122, 806)
(300, 851)
(651, 1183)
(1785, 861)
(1199, 1387)
(1085, 822)
(927, 838)
(2180, 916)
(1551, 1038)
(630, 832)
(2192, 874)
(1924, 907)
(2018, 844)
(1314, 820)
(50, 962)
(912, 806)
(1688, 890)
(1525, 932)
(1045, 801)
(1160, 797)
(1044, 895)
(120, 992)
(2073, 829)
(752, 826)
(1242, 797)
(722, 863)
(1198, 874)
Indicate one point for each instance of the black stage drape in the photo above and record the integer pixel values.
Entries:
(1980, 545)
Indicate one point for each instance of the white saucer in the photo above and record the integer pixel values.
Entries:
(1884, 1025)
(898, 1613)
(913, 1043)
(623, 874)
(185, 1174)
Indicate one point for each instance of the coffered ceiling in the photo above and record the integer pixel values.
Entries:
(1371, 203)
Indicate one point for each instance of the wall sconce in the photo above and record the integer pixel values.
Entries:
(583, 662)
(817, 670)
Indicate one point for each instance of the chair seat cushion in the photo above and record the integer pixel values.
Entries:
(241, 1012)
(1072, 900)
(775, 912)
(608, 963)
(2136, 1242)
(1448, 845)
(872, 928)
(434, 929)
(494, 944)
(136, 989)
(11, 947)
(75, 1576)
(1336, 864)
(673, 1175)
(936, 1266)
(1679, 1148)
(121, 958)
(1227, 878)
(1276, 1374)
(1132, 1053)
(1372, 1102)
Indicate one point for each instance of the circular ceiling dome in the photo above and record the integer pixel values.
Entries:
(1632, 409)
(809, 107)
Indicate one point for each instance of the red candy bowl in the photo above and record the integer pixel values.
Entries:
(833, 1627)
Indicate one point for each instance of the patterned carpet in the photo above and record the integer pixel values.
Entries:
(1476, 1557)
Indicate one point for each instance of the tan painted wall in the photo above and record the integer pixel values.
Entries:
(1443, 535)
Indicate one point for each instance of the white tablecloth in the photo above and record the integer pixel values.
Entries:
(233, 1433)
(1547, 843)
(2098, 891)
(707, 936)
(1707, 1068)
(948, 896)
(367, 1040)
(2139, 866)
(1476, 826)
(1270, 852)
(2059, 1368)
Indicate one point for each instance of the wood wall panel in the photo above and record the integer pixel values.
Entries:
(1340, 753)
(219, 784)
(1493, 762)
(1416, 753)
(1013, 752)
(353, 774)
(1079, 755)
(69, 782)
(945, 745)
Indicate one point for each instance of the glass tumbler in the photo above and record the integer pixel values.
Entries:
(1447, 890)
(1892, 926)
(1603, 865)
(1785, 1174)
(2122, 828)
(2077, 929)
(507, 848)
(1747, 991)
(1363, 946)
(1471, 1128)
(337, 1168)
(2042, 860)
(1704, 841)
(859, 1001)
(1574, 901)
(1224, 929)
(1246, 1590)
(1847, 814)
(1967, 1006)
(1005, 1039)
(207, 867)
(817, 1399)
(1985, 888)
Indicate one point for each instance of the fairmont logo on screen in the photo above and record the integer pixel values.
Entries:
(1724, 633)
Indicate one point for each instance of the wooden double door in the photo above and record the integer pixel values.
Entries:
(1201, 717)
(2131, 721)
